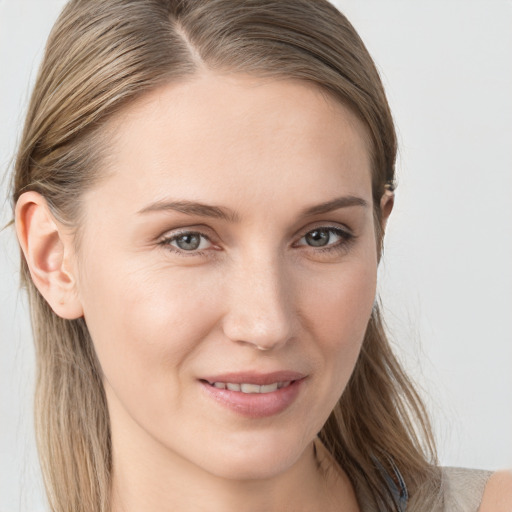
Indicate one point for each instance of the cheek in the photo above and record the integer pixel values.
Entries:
(338, 309)
(340, 303)
(144, 322)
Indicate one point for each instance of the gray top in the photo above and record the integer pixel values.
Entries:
(461, 491)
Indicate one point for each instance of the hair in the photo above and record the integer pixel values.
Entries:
(100, 56)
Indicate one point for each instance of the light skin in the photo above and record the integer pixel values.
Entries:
(498, 493)
(279, 275)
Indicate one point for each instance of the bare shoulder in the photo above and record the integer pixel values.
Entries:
(498, 493)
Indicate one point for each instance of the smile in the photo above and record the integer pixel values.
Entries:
(255, 395)
(251, 388)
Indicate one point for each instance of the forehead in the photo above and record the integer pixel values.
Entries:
(219, 134)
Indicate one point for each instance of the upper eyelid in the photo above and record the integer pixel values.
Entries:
(334, 226)
(175, 233)
(171, 234)
(347, 232)
(204, 229)
(173, 237)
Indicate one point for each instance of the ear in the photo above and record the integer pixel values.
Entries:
(48, 254)
(386, 206)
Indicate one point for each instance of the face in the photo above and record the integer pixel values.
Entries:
(228, 270)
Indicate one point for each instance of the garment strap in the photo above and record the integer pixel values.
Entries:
(396, 484)
(398, 488)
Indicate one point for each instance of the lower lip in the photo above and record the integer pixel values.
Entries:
(255, 405)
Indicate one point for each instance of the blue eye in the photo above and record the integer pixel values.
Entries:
(188, 241)
(327, 237)
(321, 238)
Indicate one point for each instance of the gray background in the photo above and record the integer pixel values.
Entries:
(446, 278)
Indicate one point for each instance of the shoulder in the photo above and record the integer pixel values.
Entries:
(498, 493)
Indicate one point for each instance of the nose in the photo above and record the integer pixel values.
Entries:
(260, 305)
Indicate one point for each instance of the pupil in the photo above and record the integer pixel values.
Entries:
(318, 238)
(188, 242)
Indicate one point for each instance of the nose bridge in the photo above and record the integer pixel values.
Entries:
(260, 303)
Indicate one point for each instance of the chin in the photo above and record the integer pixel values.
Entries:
(257, 459)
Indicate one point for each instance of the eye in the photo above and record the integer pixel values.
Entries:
(326, 237)
(189, 241)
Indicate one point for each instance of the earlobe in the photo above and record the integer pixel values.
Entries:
(47, 251)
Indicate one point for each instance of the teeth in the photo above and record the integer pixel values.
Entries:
(269, 388)
(252, 388)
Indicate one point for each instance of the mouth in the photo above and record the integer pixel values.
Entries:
(255, 395)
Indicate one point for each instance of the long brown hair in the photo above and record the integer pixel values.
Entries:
(103, 54)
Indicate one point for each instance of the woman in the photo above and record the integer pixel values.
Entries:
(201, 193)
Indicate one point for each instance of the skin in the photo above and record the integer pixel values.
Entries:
(498, 493)
(255, 296)
(265, 151)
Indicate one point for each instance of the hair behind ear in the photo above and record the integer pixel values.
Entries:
(71, 414)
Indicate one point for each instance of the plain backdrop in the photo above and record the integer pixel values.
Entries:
(446, 276)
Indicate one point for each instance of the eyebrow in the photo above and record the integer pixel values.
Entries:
(192, 208)
(334, 204)
(217, 212)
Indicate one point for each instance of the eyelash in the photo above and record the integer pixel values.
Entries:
(346, 238)
(342, 245)
(166, 242)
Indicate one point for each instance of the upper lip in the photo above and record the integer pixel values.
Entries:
(260, 379)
